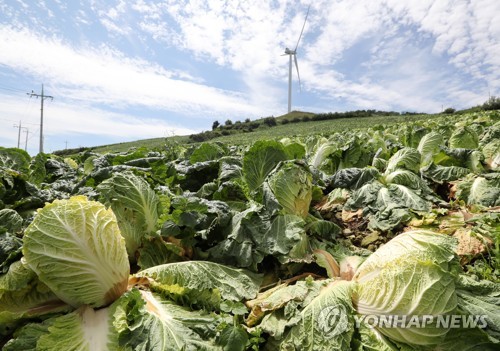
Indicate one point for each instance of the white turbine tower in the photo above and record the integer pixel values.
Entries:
(293, 53)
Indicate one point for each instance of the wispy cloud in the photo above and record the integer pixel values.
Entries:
(250, 38)
(106, 75)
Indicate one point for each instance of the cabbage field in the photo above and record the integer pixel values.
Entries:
(381, 238)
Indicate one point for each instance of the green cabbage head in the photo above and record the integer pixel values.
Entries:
(75, 248)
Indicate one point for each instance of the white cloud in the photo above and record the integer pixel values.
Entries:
(468, 32)
(105, 75)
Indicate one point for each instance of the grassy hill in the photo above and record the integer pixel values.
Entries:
(288, 125)
(316, 127)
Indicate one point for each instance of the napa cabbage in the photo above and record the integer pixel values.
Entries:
(483, 190)
(75, 275)
(291, 185)
(78, 241)
(414, 274)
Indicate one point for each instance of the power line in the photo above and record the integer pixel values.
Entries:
(33, 133)
(42, 99)
(14, 121)
(11, 89)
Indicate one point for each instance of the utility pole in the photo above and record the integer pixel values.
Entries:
(18, 134)
(26, 131)
(42, 98)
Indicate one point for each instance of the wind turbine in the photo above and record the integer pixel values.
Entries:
(293, 53)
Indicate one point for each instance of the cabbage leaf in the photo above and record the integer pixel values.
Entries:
(145, 321)
(135, 204)
(193, 281)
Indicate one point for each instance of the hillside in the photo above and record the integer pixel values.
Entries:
(287, 125)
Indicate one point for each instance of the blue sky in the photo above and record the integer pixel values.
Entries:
(126, 70)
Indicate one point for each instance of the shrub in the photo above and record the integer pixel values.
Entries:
(270, 121)
(253, 125)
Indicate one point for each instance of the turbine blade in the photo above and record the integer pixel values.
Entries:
(298, 75)
(303, 26)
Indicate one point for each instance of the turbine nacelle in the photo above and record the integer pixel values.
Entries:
(290, 52)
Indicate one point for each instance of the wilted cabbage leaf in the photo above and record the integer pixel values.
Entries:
(11, 221)
(194, 281)
(252, 235)
(10, 250)
(481, 298)
(279, 297)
